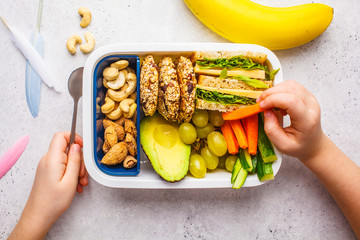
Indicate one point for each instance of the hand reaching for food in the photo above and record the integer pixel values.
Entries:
(58, 177)
(302, 138)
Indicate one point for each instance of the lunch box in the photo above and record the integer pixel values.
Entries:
(143, 175)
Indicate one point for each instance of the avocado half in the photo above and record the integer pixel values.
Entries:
(161, 143)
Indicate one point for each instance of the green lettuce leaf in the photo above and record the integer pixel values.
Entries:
(229, 63)
(223, 98)
(251, 81)
(223, 74)
(273, 73)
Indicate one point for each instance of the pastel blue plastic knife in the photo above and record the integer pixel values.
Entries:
(32, 79)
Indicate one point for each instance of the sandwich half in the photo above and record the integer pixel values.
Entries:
(225, 95)
(228, 81)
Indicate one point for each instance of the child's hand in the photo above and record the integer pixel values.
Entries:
(303, 138)
(58, 177)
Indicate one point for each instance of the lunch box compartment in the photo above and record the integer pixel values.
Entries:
(118, 169)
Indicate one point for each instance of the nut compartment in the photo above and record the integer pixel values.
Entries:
(99, 92)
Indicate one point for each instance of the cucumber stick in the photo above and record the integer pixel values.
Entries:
(236, 170)
(264, 145)
(254, 162)
(240, 179)
(264, 170)
(245, 160)
(238, 175)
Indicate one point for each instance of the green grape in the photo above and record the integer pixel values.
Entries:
(187, 133)
(211, 159)
(222, 161)
(217, 143)
(229, 162)
(197, 166)
(215, 117)
(204, 131)
(200, 118)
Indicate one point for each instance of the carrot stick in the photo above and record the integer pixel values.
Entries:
(251, 127)
(243, 112)
(239, 133)
(232, 143)
(243, 121)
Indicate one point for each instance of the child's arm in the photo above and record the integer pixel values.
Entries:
(305, 140)
(58, 177)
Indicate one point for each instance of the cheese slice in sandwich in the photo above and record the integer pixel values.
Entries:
(258, 73)
(225, 94)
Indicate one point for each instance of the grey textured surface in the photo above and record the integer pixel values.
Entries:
(293, 206)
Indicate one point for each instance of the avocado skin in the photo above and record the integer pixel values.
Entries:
(178, 154)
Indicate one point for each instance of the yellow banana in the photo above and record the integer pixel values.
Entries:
(244, 21)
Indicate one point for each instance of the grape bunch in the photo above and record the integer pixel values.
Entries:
(213, 153)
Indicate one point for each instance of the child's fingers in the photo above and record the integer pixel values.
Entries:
(287, 87)
(71, 174)
(286, 101)
(84, 181)
(82, 168)
(61, 140)
(79, 188)
(274, 130)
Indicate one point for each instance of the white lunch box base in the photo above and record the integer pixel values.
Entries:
(148, 178)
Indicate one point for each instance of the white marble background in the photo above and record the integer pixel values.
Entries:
(293, 206)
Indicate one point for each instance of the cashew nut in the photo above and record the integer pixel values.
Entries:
(125, 72)
(118, 95)
(130, 70)
(121, 64)
(125, 105)
(116, 113)
(129, 162)
(118, 83)
(86, 16)
(131, 112)
(108, 106)
(110, 136)
(131, 80)
(104, 82)
(90, 43)
(110, 73)
(71, 43)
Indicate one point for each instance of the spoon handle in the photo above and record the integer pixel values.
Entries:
(73, 126)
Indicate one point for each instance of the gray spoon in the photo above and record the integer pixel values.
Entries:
(75, 90)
